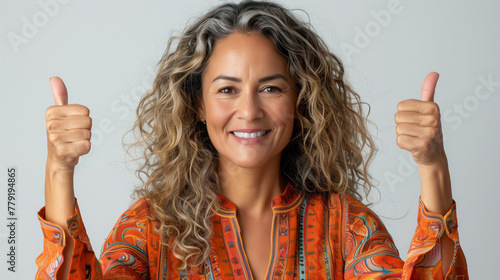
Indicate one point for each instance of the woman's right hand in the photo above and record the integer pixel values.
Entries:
(68, 130)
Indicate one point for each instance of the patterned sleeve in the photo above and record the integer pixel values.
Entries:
(124, 254)
(370, 252)
(84, 264)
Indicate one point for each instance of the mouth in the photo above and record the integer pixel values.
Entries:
(250, 135)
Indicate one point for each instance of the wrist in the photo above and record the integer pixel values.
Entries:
(56, 168)
(440, 162)
(435, 181)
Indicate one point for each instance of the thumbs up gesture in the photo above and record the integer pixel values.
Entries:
(68, 129)
(418, 125)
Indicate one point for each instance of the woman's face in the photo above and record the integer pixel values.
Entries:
(248, 101)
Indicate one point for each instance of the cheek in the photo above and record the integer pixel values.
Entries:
(217, 112)
(289, 118)
(286, 113)
(217, 115)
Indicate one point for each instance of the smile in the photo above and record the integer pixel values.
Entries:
(250, 135)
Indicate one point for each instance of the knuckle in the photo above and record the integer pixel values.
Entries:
(430, 121)
(434, 121)
(51, 125)
(79, 109)
(84, 110)
(430, 132)
(434, 108)
(54, 138)
(53, 112)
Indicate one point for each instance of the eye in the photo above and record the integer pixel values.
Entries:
(227, 90)
(272, 89)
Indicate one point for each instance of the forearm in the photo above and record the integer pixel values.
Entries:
(437, 198)
(59, 207)
(59, 195)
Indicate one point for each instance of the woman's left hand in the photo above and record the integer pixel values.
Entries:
(418, 127)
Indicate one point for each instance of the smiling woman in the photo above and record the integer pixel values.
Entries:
(253, 167)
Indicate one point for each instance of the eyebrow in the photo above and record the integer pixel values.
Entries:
(261, 80)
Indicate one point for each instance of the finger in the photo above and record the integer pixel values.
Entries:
(409, 143)
(429, 86)
(58, 112)
(415, 144)
(71, 151)
(81, 147)
(70, 136)
(69, 123)
(59, 91)
(417, 131)
(413, 105)
(416, 118)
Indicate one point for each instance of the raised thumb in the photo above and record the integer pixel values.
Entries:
(429, 86)
(59, 91)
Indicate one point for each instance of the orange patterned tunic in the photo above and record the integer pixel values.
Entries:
(312, 238)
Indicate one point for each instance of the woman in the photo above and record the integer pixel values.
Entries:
(254, 167)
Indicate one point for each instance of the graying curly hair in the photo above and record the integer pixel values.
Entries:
(179, 172)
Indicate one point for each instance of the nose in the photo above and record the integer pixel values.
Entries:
(249, 106)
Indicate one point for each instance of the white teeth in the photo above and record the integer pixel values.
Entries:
(249, 135)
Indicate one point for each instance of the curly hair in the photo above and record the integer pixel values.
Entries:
(330, 148)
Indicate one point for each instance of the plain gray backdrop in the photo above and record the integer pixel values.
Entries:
(106, 53)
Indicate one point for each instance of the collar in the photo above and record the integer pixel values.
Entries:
(288, 200)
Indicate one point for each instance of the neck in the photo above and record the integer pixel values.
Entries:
(251, 189)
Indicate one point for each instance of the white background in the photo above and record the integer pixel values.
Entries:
(106, 52)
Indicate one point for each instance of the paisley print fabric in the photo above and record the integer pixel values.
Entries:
(312, 238)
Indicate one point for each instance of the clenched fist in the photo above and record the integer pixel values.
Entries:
(418, 125)
(68, 129)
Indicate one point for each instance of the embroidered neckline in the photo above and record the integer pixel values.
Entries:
(286, 201)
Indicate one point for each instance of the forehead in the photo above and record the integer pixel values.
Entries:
(241, 53)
